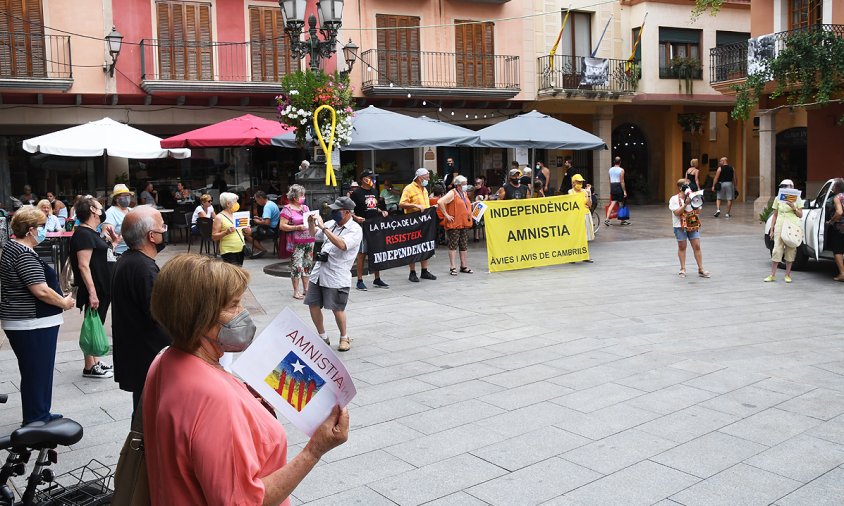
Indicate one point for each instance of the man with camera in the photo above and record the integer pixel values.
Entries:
(685, 216)
(331, 277)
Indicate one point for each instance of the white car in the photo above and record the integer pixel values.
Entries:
(815, 214)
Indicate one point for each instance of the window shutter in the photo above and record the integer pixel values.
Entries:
(184, 37)
(398, 50)
(269, 45)
(22, 50)
(475, 54)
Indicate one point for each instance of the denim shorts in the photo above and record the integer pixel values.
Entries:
(681, 234)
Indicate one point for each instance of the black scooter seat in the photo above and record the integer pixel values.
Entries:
(62, 431)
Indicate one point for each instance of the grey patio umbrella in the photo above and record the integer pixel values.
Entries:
(374, 128)
(538, 131)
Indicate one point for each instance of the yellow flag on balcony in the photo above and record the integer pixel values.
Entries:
(628, 65)
(557, 43)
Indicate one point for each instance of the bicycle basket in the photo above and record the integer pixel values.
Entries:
(88, 485)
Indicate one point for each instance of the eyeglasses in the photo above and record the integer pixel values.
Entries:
(161, 231)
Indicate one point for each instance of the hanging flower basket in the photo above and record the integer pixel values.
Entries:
(691, 122)
(303, 91)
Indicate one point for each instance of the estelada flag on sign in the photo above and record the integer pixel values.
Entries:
(296, 372)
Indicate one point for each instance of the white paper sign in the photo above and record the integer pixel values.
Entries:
(788, 194)
(241, 219)
(522, 156)
(478, 210)
(296, 372)
(307, 216)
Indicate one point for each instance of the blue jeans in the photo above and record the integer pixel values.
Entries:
(36, 354)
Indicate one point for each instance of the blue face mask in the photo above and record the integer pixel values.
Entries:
(424, 182)
(40, 235)
(337, 216)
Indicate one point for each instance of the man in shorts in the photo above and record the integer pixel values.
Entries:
(266, 226)
(724, 186)
(365, 198)
(331, 276)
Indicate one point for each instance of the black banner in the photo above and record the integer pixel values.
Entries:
(400, 240)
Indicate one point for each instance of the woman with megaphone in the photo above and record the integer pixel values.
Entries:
(685, 217)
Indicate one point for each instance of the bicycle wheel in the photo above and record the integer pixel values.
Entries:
(596, 221)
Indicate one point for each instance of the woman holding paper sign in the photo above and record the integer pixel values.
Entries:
(783, 210)
(232, 241)
(208, 440)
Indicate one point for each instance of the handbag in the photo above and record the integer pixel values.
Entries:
(68, 283)
(92, 336)
(614, 213)
(131, 482)
(791, 234)
(624, 212)
(284, 244)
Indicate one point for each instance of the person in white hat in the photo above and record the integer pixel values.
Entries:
(784, 210)
(121, 199)
(414, 198)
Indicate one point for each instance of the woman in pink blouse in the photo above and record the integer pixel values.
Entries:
(208, 439)
(300, 243)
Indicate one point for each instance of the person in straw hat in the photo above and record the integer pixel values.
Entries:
(121, 199)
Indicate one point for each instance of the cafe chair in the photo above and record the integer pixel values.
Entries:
(205, 225)
(182, 224)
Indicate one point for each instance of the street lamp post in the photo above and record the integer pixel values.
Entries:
(331, 14)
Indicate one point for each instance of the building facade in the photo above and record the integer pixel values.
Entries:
(791, 142)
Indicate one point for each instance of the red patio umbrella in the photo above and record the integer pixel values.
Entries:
(247, 130)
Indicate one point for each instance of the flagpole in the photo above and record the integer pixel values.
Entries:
(602, 37)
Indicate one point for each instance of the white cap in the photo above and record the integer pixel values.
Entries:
(421, 172)
(788, 182)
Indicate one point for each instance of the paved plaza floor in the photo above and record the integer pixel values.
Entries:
(615, 382)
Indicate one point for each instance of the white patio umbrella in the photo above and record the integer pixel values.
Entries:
(102, 137)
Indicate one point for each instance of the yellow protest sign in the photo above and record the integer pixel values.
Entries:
(535, 232)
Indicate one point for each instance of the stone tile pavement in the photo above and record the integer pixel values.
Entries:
(589, 384)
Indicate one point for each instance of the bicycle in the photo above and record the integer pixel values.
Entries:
(88, 485)
(596, 219)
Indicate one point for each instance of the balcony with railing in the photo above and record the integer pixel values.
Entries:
(35, 61)
(673, 72)
(729, 62)
(214, 67)
(392, 73)
(570, 74)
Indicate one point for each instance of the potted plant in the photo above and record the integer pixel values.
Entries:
(303, 91)
(687, 70)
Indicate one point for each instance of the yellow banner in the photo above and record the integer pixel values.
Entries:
(535, 232)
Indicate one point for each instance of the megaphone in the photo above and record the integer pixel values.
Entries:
(695, 198)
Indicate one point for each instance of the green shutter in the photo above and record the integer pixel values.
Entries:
(679, 35)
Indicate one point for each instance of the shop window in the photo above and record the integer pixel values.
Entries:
(677, 43)
(22, 51)
(185, 48)
(474, 58)
(269, 45)
(398, 50)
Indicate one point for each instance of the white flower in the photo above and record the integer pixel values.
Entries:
(294, 92)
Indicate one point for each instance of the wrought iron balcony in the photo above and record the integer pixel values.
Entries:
(183, 66)
(729, 62)
(393, 73)
(35, 60)
(568, 74)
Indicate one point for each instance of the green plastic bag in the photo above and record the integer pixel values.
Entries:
(92, 337)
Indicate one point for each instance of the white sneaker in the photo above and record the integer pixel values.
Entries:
(97, 372)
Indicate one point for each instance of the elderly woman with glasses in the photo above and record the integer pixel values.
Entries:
(229, 449)
(456, 209)
(31, 305)
(300, 243)
(53, 224)
(784, 210)
(89, 260)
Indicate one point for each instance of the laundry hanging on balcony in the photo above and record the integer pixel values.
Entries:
(596, 72)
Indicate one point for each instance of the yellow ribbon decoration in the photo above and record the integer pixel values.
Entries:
(330, 178)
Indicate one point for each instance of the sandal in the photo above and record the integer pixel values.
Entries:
(682, 273)
(298, 295)
(452, 271)
(704, 274)
(466, 270)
